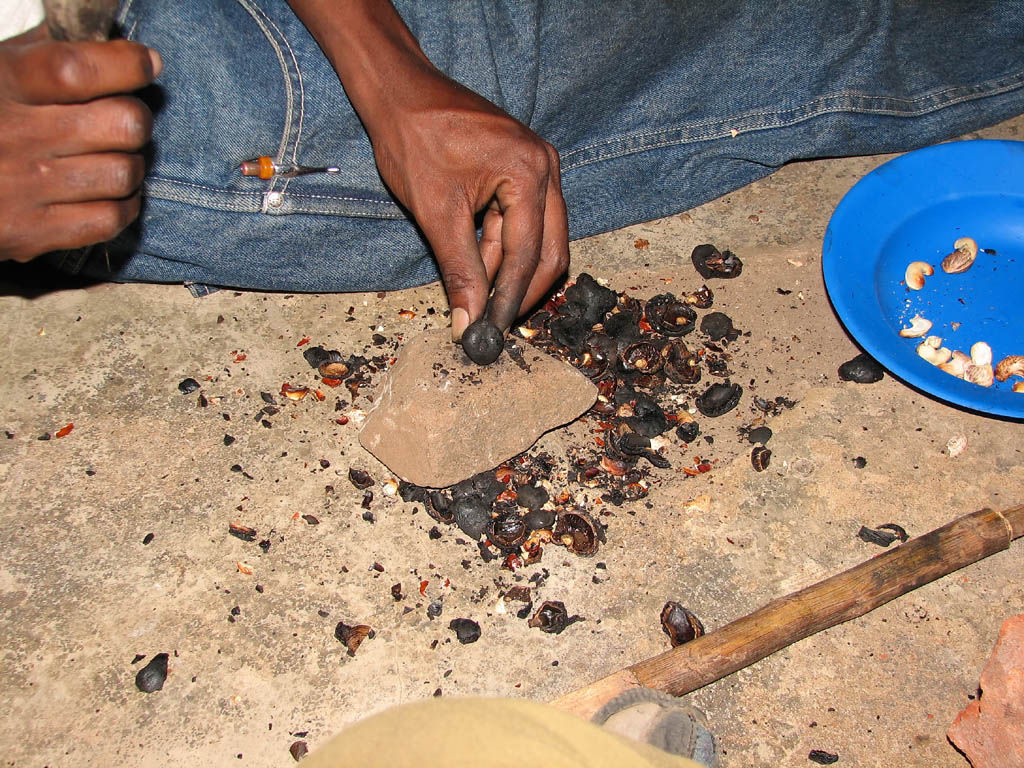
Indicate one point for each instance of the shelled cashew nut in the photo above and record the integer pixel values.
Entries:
(916, 273)
(931, 350)
(981, 353)
(919, 326)
(957, 364)
(981, 375)
(1012, 365)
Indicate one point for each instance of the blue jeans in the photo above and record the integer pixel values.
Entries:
(654, 106)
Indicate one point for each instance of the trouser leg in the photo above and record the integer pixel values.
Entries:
(654, 107)
(492, 733)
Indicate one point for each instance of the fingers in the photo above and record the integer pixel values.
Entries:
(535, 241)
(82, 178)
(113, 124)
(68, 225)
(521, 238)
(490, 241)
(453, 240)
(63, 73)
(554, 253)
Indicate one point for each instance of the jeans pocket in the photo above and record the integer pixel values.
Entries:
(242, 80)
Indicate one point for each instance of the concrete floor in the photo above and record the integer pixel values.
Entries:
(81, 592)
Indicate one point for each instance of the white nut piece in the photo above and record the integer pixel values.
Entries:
(1013, 365)
(982, 375)
(933, 341)
(961, 259)
(981, 353)
(919, 326)
(956, 445)
(916, 273)
(957, 364)
(934, 355)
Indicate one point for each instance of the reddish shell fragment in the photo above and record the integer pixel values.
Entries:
(294, 393)
(406, 314)
(423, 588)
(65, 430)
(342, 420)
(243, 568)
(240, 357)
(320, 395)
(640, 243)
(303, 340)
(328, 381)
(614, 467)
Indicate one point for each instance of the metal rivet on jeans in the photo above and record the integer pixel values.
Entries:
(275, 199)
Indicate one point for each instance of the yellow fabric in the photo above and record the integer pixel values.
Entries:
(484, 733)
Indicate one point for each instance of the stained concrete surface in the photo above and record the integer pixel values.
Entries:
(81, 593)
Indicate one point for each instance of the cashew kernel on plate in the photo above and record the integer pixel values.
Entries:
(977, 367)
(1011, 365)
(919, 326)
(963, 256)
(915, 274)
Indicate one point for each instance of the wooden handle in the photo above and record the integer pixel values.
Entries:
(785, 620)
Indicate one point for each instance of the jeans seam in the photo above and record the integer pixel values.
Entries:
(166, 195)
(721, 128)
(125, 12)
(298, 78)
(261, 19)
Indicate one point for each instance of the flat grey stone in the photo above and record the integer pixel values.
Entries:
(440, 418)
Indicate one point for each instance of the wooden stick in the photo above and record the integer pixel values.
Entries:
(785, 620)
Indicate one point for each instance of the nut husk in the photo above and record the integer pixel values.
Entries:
(680, 624)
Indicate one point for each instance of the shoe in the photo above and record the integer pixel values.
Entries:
(663, 721)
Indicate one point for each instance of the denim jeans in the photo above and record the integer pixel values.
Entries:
(655, 106)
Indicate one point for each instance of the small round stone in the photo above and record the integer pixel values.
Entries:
(483, 342)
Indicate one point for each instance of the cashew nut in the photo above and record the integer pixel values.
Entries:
(1018, 386)
(957, 364)
(1013, 365)
(979, 374)
(961, 259)
(919, 326)
(930, 350)
(916, 273)
(981, 353)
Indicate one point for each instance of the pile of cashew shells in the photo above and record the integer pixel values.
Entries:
(977, 366)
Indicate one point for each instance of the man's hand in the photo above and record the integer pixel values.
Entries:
(448, 154)
(70, 167)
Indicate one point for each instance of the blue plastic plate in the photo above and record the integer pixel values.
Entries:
(913, 208)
